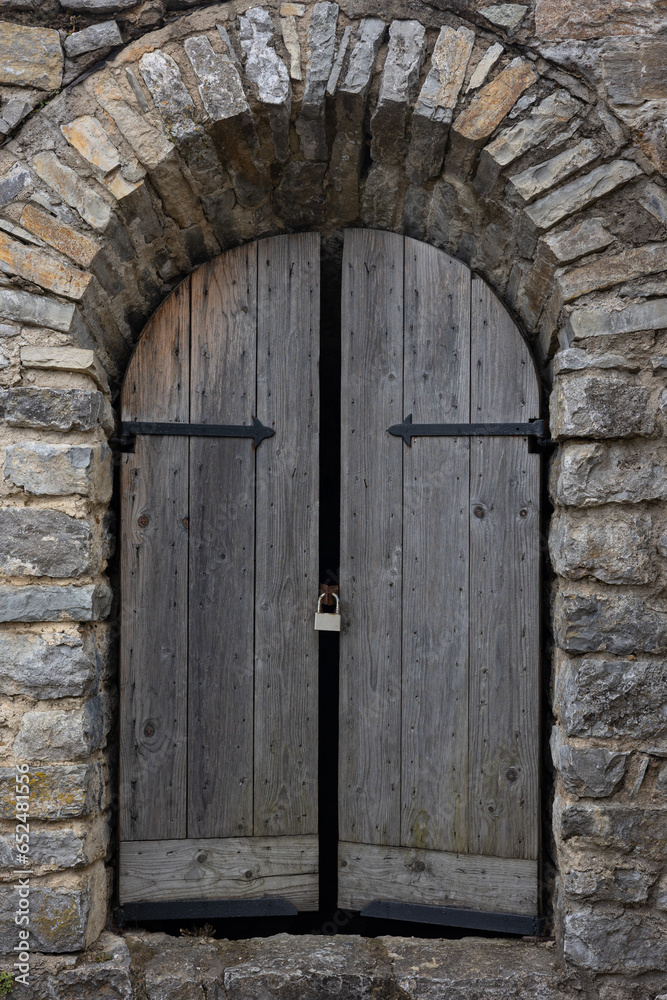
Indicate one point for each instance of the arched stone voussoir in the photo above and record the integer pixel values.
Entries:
(238, 121)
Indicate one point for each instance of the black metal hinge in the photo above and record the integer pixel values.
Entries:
(128, 432)
(536, 429)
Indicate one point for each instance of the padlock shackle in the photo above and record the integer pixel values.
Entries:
(321, 598)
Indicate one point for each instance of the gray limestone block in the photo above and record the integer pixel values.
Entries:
(353, 91)
(58, 917)
(267, 74)
(60, 469)
(90, 602)
(62, 848)
(534, 181)
(587, 771)
(98, 6)
(219, 83)
(13, 182)
(398, 86)
(102, 971)
(603, 939)
(573, 359)
(618, 884)
(619, 625)
(57, 792)
(310, 124)
(590, 474)
(625, 829)
(60, 665)
(612, 698)
(36, 310)
(594, 406)
(104, 35)
(582, 191)
(591, 322)
(582, 238)
(53, 409)
(610, 545)
(44, 543)
(46, 737)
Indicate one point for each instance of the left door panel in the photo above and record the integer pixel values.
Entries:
(218, 697)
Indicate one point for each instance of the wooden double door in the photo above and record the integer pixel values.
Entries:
(437, 788)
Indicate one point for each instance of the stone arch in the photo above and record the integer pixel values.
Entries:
(198, 137)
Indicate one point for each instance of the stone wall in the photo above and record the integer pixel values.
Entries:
(526, 141)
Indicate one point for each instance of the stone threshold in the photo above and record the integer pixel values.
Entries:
(142, 965)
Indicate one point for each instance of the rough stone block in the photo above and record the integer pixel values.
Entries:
(57, 665)
(310, 124)
(61, 736)
(381, 196)
(612, 698)
(588, 771)
(65, 359)
(505, 15)
(60, 469)
(536, 180)
(105, 35)
(437, 99)
(654, 200)
(618, 884)
(102, 972)
(51, 849)
(62, 919)
(98, 6)
(268, 75)
(587, 475)
(619, 625)
(59, 235)
(557, 19)
(13, 182)
(557, 109)
(600, 407)
(648, 315)
(78, 195)
(44, 543)
(43, 269)
(56, 791)
(90, 140)
(580, 192)
(574, 359)
(300, 197)
(53, 409)
(72, 603)
(398, 85)
(352, 93)
(585, 237)
(606, 940)
(613, 546)
(339, 60)
(218, 81)
(622, 828)
(612, 270)
(30, 57)
(484, 66)
(36, 310)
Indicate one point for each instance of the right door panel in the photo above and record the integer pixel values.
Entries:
(438, 765)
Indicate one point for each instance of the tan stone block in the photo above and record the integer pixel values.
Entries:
(59, 235)
(67, 359)
(30, 57)
(292, 9)
(493, 102)
(44, 271)
(558, 19)
(119, 187)
(67, 183)
(91, 141)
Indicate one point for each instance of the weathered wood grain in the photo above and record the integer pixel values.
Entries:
(153, 648)
(434, 768)
(233, 868)
(371, 538)
(222, 548)
(504, 567)
(435, 878)
(286, 645)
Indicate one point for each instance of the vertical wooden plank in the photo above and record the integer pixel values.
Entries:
(504, 584)
(153, 653)
(434, 769)
(371, 538)
(222, 539)
(286, 645)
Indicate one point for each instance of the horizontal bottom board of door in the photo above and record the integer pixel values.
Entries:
(368, 872)
(229, 868)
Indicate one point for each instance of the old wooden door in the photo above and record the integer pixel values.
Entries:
(438, 777)
(218, 782)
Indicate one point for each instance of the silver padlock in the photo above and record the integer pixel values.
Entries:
(325, 621)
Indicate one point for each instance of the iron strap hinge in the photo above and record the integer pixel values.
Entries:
(128, 432)
(536, 429)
